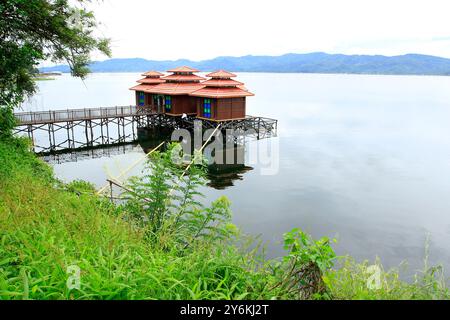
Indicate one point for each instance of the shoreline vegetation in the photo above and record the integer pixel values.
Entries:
(46, 76)
(162, 244)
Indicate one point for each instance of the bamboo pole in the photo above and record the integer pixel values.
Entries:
(131, 167)
(201, 150)
(118, 183)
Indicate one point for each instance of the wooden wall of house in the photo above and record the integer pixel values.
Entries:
(198, 103)
(230, 108)
(183, 104)
(238, 110)
(148, 99)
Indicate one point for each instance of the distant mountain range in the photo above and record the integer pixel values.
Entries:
(409, 64)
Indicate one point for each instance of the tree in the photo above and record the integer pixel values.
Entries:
(32, 31)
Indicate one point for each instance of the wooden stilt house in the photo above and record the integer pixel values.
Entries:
(219, 98)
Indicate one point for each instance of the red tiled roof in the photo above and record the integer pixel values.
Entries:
(222, 83)
(221, 92)
(221, 74)
(151, 81)
(142, 87)
(183, 77)
(173, 88)
(220, 86)
(153, 74)
(183, 69)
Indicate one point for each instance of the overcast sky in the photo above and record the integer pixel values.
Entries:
(202, 29)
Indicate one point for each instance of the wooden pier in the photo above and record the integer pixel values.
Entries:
(57, 116)
(106, 126)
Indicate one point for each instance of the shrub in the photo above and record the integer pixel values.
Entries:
(304, 267)
(7, 122)
(165, 201)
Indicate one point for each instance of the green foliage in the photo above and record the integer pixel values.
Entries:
(35, 30)
(149, 196)
(17, 160)
(352, 281)
(80, 187)
(303, 268)
(304, 250)
(167, 204)
(7, 122)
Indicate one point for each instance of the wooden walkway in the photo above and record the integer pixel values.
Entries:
(46, 117)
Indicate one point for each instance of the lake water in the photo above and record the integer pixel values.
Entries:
(365, 159)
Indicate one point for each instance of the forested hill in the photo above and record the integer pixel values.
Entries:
(410, 64)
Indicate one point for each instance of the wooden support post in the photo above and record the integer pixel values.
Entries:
(123, 130)
(29, 131)
(132, 129)
(91, 132)
(118, 129)
(68, 135)
(111, 187)
(107, 130)
(86, 132)
(101, 131)
(51, 141)
(73, 134)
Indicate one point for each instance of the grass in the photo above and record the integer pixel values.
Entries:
(47, 226)
(44, 229)
(350, 281)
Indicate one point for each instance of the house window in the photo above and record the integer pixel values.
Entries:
(141, 99)
(168, 103)
(207, 108)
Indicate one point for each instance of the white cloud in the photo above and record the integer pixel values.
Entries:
(201, 29)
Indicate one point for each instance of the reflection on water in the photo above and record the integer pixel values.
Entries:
(220, 176)
(75, 155)
(223, 176)
(232, 166)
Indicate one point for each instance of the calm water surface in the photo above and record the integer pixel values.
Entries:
(365, 159)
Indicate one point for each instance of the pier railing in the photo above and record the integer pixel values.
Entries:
(43, 117)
